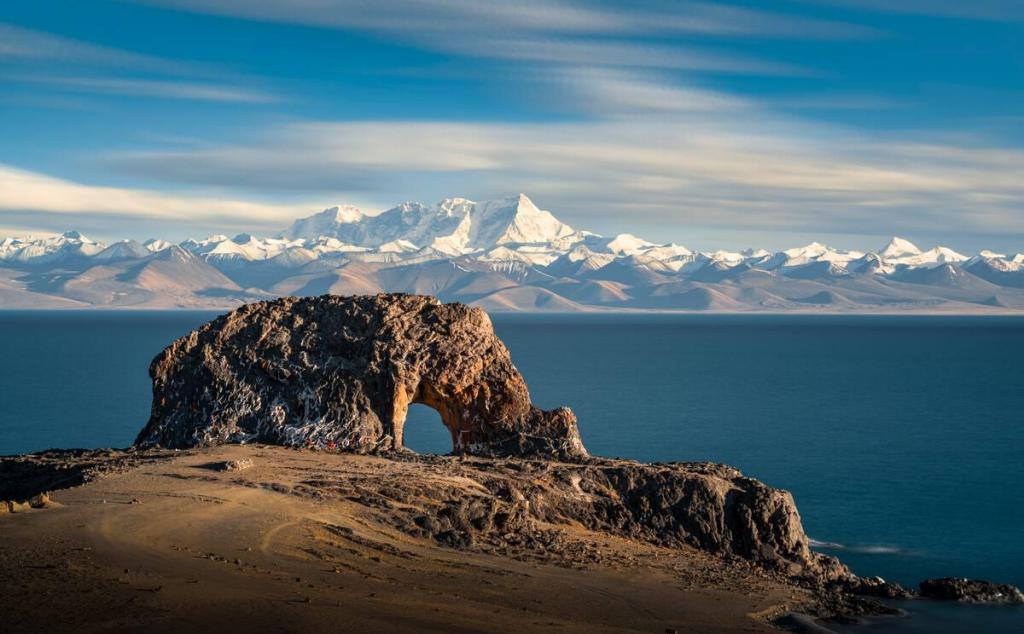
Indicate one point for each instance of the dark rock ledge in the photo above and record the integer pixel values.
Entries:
(971, 591)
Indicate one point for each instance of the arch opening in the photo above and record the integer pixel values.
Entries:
(424, 432)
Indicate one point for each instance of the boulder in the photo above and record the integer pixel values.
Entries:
(340, 373)
(877, 587)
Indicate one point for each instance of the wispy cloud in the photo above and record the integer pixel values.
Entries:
(26, 191)
(1011, 10)
(156, 88)
(27, 45)
(553, 32)
(38, 54)
(618, 93)
(421, 20)
(653, 136)
(696, 170)
(572, 51)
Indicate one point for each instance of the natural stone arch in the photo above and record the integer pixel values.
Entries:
(424, 432)
(425, 394)
(341, 372)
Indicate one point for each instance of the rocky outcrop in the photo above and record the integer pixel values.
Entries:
(876, 587)
(26, 477)
(707, 506)
(340, 373)
(970, 591)
(506, 505)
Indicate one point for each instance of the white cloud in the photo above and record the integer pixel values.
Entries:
(550, 50)
(17, 43)
(609, 92)
(158, 88)
(27, 191)
(37, 54)
(422, 21)
(551, 32)
(696, 169)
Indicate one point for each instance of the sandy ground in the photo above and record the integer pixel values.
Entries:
(176, 546)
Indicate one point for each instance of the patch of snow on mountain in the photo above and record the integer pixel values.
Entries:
(156, 245)
(932, 257)
(453, 226)
(899, 248)
(628, 244)
(49, 249)
(398, 246)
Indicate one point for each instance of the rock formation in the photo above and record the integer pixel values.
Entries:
(703, 505)
(341, 372)
(970, 591)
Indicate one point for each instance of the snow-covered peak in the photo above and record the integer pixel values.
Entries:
(346, 213)
(870, 263)
(123, 250)
(582, 254)
(730, 258)
(932, 257)
(50, 248)
(156, 245)
(899, 248)
(667, 251)
(333, 245)
(453, 226)
(812, 250)
(628, 244)
(76, 236)
(513, 220)
(398, 246)
(325, 223)
(989, 255)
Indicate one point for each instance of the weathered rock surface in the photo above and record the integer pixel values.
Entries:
(341, 372)
(519, 505)
(970, 591)
(708, 506)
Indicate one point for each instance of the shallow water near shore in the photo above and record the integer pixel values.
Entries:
(900, 437)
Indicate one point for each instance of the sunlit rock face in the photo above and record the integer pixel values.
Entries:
(341, 372)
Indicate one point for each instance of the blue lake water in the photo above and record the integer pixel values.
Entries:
(901, 438)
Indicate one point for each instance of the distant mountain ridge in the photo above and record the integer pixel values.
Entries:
(504, 254)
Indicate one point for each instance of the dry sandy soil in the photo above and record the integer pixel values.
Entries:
(177, 545)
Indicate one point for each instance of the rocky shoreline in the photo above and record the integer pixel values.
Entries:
(331, 379)
(542, 512)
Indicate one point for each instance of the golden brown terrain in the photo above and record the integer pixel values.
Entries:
(307, 541)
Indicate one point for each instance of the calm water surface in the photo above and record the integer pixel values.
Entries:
(900, 437)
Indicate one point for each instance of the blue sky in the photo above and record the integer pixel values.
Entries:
(708, 124)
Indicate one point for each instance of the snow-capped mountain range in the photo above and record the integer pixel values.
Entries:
(502, 254)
